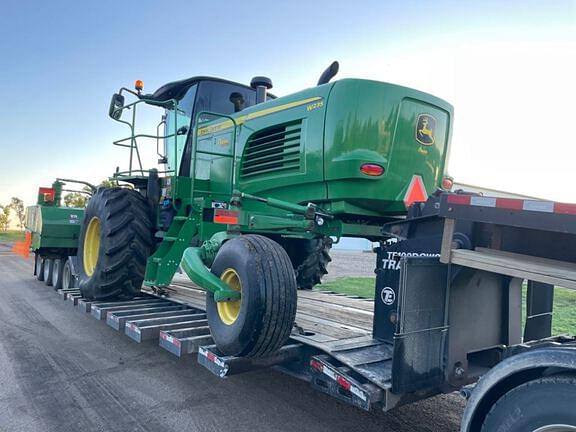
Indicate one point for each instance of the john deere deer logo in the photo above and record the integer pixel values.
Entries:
(425, 129)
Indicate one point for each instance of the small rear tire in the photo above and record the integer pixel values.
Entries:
(261, 321)
(58, 273)
(68, 279)
(48, 271)
(544, 404)
(39, 263)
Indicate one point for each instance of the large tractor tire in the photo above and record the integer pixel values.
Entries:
(115, 242)
(261, 321)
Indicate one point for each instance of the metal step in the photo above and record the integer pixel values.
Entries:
(73, 299)
(85, 305)
(117, 320)
(185, 341)
(100, 311)
(147, 329)
(224, 366)
(63, 293)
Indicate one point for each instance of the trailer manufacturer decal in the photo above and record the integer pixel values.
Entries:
(392, 262)
(388, 296)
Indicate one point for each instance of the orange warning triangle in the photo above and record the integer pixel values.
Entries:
(416, 191)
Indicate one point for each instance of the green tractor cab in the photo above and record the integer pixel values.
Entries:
(254, 189)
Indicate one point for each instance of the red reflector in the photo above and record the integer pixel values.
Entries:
(416, 191)
(344, 383)
(564, 208)
(509, 203)
(373, 170)
(229, 217)
(47, 194)
(210, 356)
(316, 365)
(447, 183)
(459, 199)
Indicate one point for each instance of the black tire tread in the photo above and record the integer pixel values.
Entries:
(310, 272)
(569, 379)
(278, 319)
(127, 237)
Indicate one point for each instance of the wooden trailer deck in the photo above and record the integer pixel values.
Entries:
(322, 316)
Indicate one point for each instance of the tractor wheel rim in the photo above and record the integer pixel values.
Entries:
(228, 311)
(91, 246)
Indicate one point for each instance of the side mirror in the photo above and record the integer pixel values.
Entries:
(116, 106)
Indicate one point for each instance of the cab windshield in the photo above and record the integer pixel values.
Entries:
(213, 96)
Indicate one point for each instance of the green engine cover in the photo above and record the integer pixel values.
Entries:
(310, 146)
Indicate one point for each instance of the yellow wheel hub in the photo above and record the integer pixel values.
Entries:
(91, 246)
(229, 311)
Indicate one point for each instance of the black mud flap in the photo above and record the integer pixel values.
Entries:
(421, 330)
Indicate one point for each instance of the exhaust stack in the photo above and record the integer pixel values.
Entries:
(261, 85)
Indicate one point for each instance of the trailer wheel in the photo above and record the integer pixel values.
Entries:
(542, 405)
(316, 254)
(115, 241)
(58, 273)
(68, 278)
(48, 271)
(39, 267)
(261, 321)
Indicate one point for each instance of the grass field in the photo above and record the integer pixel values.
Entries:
(10, 236)
(563, 322)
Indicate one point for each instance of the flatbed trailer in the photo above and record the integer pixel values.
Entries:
(446, 313)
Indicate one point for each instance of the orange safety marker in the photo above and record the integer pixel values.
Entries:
(22, 248)
(416, 191)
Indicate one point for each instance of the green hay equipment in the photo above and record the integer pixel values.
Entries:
(55, 231)
(255, 190)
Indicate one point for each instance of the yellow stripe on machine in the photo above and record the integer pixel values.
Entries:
(229, 123)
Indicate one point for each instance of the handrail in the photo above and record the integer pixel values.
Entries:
(133, 144)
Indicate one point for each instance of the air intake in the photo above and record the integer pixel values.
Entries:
(273, 150)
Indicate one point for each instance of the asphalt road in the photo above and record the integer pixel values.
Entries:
(64, 371)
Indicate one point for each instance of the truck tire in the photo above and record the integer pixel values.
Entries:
(261, 321)
(48, 271)
(58, 273)
(68, 279)
(39, 263)
(314, 265)
(545, 404)
(115, 241)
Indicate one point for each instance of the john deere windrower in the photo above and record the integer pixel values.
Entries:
(254, 190)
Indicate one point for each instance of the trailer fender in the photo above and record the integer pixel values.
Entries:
(511, 373)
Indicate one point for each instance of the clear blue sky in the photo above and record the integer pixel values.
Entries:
(61, 60)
